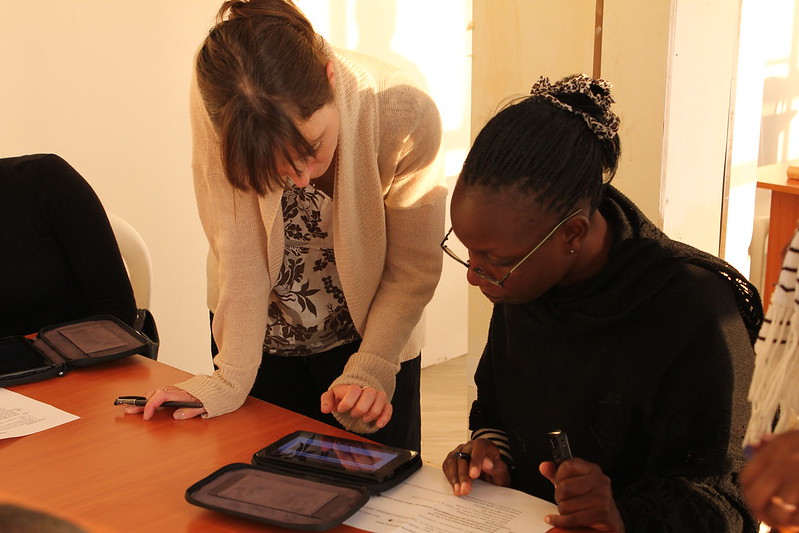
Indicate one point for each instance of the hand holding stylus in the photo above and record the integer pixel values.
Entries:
(187, 405)
(582, 491)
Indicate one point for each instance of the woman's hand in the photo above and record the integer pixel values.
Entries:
(157, 397)
(770, 481)
(476, 459)
(366, 403)
(583, 495)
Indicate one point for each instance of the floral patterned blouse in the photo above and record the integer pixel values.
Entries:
(307, 310)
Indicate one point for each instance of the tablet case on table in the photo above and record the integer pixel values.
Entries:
(60, 347)
(286, 496)
(276, 498)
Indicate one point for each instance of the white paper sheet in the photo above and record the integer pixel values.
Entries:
(20, 415)
(424, 502)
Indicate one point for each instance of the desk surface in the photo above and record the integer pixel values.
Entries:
(111, 472)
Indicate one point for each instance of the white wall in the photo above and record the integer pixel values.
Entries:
(104, 84)
(766, 126)
(698, 107)
(635, 43)
(747, 113)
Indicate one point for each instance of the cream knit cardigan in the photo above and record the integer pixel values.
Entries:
(388, 223)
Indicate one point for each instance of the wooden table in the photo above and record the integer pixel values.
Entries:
(112, 472)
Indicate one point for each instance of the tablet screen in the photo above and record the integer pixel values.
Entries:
(17, 355)
(346, 456)
(349, 455)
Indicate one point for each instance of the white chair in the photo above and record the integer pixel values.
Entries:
(137, 258)
(137, 262)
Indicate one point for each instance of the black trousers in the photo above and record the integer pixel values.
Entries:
(297, 383)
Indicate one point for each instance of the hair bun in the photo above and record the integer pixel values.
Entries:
(606, 124)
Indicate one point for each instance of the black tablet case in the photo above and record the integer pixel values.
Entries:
(288, 497)
(84, 342)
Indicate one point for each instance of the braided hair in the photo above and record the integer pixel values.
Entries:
(559, 144)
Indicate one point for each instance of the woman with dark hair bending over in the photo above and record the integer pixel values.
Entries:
(314, 179)
(637, 346)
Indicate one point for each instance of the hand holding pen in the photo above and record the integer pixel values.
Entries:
(187, 405)
(476, 459)
(582, 491)
(141, 401)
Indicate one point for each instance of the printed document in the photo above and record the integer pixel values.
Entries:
(20, 415)
(424, 503)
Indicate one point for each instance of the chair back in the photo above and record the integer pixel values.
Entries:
(137, 262)
(137, 258)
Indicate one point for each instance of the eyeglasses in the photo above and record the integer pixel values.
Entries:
(501, 282)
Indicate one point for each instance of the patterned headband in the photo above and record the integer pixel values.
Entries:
(598, 90)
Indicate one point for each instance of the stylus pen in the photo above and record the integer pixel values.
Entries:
(561, 450)
(140, 401)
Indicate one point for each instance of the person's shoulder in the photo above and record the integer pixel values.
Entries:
(369, 68)
(706, 287)
(387, 82)
(40, 170)
(369, 83)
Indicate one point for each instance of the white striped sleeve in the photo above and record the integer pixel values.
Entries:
(499, 438)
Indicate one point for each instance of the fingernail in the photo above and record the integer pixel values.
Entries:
(548, 519)
(474, 472)
(179, 415)
(456, 488)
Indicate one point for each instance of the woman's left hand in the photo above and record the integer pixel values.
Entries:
(367, 403)
(583, 495)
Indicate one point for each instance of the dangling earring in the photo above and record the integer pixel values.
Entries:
(571, 251)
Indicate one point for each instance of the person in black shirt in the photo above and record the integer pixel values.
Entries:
(637, 346)
(60, 259)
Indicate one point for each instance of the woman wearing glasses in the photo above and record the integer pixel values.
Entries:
(316, 188)
(636, 346)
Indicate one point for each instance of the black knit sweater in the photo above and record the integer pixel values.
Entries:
(645, 366)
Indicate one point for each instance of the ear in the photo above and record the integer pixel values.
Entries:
(575, 231)
(331, 72)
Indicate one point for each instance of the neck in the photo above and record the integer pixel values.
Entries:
(326, 181)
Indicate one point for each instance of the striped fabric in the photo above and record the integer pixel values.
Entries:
(775, 383)
(498, 437)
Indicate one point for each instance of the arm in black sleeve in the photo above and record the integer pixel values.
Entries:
(689, 481)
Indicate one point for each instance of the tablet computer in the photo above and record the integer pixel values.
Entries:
(346, 459)
(19, 358)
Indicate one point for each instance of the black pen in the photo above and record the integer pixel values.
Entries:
(140, 401)
(560, 446)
